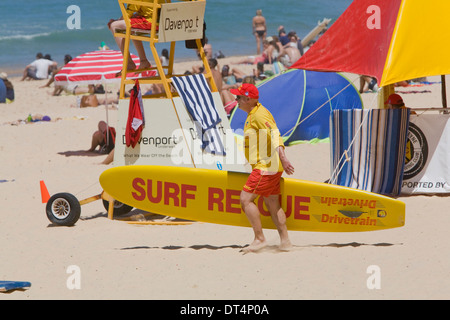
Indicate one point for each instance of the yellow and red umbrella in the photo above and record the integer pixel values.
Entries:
(392, 40)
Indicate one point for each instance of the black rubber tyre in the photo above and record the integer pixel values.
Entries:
(119, 207)
(63, 209)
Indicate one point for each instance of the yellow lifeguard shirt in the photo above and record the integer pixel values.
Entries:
(261, 139)
(142, 11)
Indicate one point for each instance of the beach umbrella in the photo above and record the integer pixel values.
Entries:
(301, 103)
(96, 67)
(391, 40)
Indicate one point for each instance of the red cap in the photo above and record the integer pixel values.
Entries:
(394, 99)
(246, 89)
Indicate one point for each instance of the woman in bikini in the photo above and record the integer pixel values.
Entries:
(259, 29)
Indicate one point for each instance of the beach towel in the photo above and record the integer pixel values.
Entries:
(6, 286)
(135, 121)
(198, 100)
(374, 142)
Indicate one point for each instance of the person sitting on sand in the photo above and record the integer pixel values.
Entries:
(58, 89)
(105, 137)
(207, 49)
(282, 36)
(140, 18)
(260, 74)
(232, 75)
(269, 55)
(290, 52)
(367, 83)
(9, 87)
(38, 69)
(222, 88)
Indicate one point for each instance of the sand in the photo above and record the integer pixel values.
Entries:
(117, 260)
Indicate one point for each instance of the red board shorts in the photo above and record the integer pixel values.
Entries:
(139, 22)
(263, 183)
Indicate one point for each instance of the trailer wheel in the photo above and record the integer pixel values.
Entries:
(119, 207)
(63, 209)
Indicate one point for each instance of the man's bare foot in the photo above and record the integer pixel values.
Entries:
(285, 245)
(131, 66)
(144, 64)
(255, 246)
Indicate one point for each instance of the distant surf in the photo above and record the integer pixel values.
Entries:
(43, 26)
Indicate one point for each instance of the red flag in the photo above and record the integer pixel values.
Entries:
(135, 122)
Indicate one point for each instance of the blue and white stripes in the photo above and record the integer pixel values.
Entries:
(197, 98)
(368, 149)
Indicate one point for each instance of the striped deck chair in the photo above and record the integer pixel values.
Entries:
(197, 98)
(374, 143)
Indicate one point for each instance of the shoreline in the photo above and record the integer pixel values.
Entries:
(17, 71)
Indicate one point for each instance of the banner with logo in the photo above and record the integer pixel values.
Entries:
(171, 138)
(181, 21)
(427, 161)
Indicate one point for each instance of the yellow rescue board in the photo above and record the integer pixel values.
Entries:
(213, 196)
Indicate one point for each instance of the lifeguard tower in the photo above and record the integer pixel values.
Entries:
(185, 124)
(175, 130)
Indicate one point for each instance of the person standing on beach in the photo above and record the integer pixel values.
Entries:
(264, 150)
(259, 29)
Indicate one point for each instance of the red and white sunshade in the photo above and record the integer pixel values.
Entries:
(97, 67)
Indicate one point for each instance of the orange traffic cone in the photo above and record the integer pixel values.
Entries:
(44, 192)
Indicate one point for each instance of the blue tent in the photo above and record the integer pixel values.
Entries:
(2, 92)
(301, 102)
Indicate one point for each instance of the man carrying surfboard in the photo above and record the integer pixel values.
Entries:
(264, 150)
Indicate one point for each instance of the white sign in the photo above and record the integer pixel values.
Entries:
(170, 138)
(427, 161)
(181, 21)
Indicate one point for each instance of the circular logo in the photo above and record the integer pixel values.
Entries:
(416, 152)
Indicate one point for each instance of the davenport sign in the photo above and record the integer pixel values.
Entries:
(181, 21)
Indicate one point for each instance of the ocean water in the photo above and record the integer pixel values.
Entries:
(29, 26)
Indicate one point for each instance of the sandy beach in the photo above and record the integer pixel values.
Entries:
(117, 260)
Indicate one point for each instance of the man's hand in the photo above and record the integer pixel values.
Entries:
(287, 166)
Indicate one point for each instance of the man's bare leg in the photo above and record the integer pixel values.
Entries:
(120, 24)
(143, 61)
(253, 215)
(279, 218)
